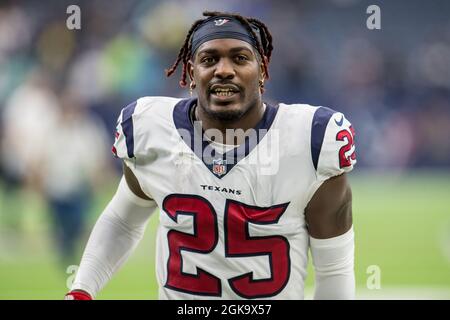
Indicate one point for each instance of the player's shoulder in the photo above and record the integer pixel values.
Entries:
(148, 104)
(297, 109)
(146, 114)
(332, 143)
(307, 118)
(140, 122)
(320, 113)
(318, 116)
(329, 134)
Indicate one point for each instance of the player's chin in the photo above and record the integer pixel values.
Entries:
(229, 112)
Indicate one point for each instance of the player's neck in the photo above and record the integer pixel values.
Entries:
(248, 121)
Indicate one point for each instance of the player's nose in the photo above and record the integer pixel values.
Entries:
(224, 69)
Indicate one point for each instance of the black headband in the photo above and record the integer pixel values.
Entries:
(221, 27)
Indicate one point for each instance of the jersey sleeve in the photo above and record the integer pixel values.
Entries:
(123, 146)
(129, 141)
(332, 144)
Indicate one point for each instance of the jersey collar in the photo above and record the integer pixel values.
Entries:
(218, 164)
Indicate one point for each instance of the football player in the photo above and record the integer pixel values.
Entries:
(244, 188)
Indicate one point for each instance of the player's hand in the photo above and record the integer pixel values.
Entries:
(77, 295)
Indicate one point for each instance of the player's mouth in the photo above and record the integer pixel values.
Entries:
(224, 93)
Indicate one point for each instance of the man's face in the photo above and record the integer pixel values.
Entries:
(226, 73)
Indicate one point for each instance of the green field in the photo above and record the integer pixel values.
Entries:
(402, 225)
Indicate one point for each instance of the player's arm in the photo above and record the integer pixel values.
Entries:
(122, 223)
(329, 212)
(329, 221)
(133, 182)
(116, 233)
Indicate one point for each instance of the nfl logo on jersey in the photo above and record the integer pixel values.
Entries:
(219, 167)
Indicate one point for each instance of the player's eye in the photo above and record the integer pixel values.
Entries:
(241, 58)
(207, 60)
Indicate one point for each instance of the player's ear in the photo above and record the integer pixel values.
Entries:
(262, 70)
(262, 78)
(190, 70)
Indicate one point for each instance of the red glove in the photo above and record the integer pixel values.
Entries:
(77, 295)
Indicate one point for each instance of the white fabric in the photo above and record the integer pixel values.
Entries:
(279, 171)
(333, 261)
(328, 165)
(115, 235)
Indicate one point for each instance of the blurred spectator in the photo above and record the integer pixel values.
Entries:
(28, 117)
(70, 165)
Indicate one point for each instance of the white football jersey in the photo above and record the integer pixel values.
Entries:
(232, 225)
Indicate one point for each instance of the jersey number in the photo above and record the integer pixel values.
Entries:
(238, 243)
(346, 161)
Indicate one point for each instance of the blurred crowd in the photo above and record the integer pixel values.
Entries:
(61, 90)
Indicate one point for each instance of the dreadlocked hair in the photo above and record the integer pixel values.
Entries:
(264, 46)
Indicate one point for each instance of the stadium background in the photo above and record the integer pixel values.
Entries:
(393, 84)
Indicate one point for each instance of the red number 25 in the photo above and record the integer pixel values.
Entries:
(345, 135)
(238, 243)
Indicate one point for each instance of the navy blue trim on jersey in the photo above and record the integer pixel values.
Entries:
(181, 118)
(127, 127)
(319, 125)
